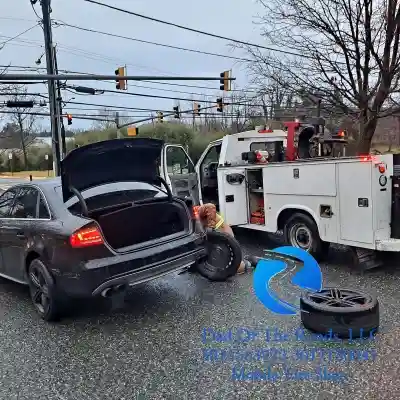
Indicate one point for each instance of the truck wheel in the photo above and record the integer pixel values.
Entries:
(43, 293)
(345, 313)
(223, 259)
(301, 231)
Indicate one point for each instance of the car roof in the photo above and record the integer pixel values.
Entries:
(44, 184)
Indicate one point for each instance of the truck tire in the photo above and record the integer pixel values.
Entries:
(224, 257)
(301, 231)
(341, 312)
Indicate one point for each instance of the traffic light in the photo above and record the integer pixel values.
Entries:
(225, 84)
(160, 116)
(176, 111)
(220, 105)
(121, 84)
(69, 119)
(196, 109)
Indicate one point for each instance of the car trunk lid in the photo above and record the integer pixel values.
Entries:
(118, 160)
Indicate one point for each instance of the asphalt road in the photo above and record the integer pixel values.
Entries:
(151, 347)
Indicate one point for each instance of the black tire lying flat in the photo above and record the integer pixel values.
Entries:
(224, 257)
(347, 313)
(43, 293)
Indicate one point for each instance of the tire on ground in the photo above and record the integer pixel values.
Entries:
(220, 269)
(361, 320)
(319, 249)
(54, 309)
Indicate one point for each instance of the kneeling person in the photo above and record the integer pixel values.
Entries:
(211, 219)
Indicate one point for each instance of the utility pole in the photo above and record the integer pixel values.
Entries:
(117, 123)
(53, 106)
(59, 102)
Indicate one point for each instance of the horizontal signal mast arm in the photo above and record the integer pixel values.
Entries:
(74, 77)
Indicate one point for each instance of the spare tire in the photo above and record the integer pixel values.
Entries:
(348, 314)
(223, 258)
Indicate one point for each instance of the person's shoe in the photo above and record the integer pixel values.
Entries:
(244, 267)
(253, 260)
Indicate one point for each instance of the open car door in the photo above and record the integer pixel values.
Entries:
(180, 173)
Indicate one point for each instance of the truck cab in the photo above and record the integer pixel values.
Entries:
(227, 152)
(200, 181)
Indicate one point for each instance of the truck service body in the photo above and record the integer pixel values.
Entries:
(353, 201)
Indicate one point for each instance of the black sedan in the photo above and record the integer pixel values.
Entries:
(107, 223)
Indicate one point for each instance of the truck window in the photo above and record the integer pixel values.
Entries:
(212, 155)
(276, 149)
(178, 162)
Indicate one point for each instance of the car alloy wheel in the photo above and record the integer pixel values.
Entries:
(343, 312)
(42, 291)
(334, 297)
(39, 291)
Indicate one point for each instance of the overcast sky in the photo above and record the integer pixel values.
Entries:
(93, 53)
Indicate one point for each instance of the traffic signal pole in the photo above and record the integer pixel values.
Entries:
(53, 106)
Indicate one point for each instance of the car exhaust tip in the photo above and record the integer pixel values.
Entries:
(112, 290)
(106, 292)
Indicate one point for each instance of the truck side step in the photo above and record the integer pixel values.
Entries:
(366, 259)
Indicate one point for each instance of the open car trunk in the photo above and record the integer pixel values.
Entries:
(132, 224)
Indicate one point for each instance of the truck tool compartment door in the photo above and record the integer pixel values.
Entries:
(356, 218)
(179, 170)
(232, 191)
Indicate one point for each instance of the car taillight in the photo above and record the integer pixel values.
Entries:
(382, 168)
(86, 237)
(195, 212)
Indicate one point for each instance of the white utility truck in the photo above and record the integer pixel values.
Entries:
(313, 201)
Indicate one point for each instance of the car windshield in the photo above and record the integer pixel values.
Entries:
(125, 191)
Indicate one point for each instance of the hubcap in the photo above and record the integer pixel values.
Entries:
(39, 291)
(334, 297)
(300, 236)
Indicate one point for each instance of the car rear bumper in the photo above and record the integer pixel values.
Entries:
(95, 276)
(152, 271)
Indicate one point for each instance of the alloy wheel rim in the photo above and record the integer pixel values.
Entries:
(39, 291)
(334, 297)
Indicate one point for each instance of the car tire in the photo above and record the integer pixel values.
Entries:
(301, 224)
(44, 296)
(223, 259)
(349, 314)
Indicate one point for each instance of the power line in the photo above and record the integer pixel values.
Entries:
(17, 36)
(196, 30)
(48, 115)
(61, 23)
(17, 19)
(154, 96)
(85, 54)
(112, 106)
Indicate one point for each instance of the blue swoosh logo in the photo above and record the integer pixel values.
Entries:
(309, 277)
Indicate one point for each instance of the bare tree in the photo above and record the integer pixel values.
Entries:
(23, 119)
(108, 119)
(346, 50)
